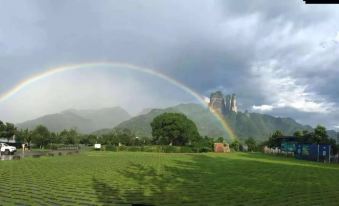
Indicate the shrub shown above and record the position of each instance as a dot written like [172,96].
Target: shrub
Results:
[112,148]
[151,149]
[122,148]
[204,149]
[186,150]
[52,146]
[159,148]
[135,148]
[169,149]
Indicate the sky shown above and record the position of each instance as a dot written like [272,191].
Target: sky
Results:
[279,57]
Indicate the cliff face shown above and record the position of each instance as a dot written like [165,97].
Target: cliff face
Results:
[217,102]
[228,101]
[223,104]
[234,107]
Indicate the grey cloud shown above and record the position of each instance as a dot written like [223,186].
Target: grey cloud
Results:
[204,44]
[309,118]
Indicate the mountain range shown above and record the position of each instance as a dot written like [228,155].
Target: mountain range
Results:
[244,125]
[85,121]
[102,121]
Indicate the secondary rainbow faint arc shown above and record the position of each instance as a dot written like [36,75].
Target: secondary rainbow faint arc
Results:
[64,68]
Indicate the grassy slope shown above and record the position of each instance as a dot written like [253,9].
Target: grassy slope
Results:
[168,179]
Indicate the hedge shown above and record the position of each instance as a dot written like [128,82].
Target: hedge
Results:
[158,148]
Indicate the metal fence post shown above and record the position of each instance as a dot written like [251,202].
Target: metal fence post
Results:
[318,154]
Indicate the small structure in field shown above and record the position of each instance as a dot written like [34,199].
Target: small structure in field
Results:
[97,146]
[221,147]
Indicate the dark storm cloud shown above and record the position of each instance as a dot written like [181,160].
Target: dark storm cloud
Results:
[208,45]
[288,10]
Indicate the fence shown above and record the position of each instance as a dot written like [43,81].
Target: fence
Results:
[313,152]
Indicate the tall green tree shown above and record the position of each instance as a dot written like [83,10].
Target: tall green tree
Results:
[124,136]
[320,135]
[27,136]
[70,136]
[88,139]
[41,136]
[8,131]
[24,136]
[235,145]
[174,129]
[273,141]
[54,138]
[298,134]
[251,143]
[2,129]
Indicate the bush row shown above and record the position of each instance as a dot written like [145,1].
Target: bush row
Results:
[62,147]
[158,148]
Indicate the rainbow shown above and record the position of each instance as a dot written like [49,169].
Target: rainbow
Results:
[21,85]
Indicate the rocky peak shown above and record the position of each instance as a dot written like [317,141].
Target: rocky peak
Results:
[223,104]
[217,102]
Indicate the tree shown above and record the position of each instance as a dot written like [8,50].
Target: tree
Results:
[2,129]
[298,134]
[335,148]
[41,136]
[174,129]
[53,138]
[235,145]
[124,136]
[320,135]
[88,139]
[27,136]
[70,136]
[23,135]
[277,134]
[8,130]
[251,143]
[204,144]
[307,137]
[273,141]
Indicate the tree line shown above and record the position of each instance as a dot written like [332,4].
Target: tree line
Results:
[40,136]
[317,136]
[167,129]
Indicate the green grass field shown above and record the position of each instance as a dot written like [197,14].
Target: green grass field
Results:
[123,178]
